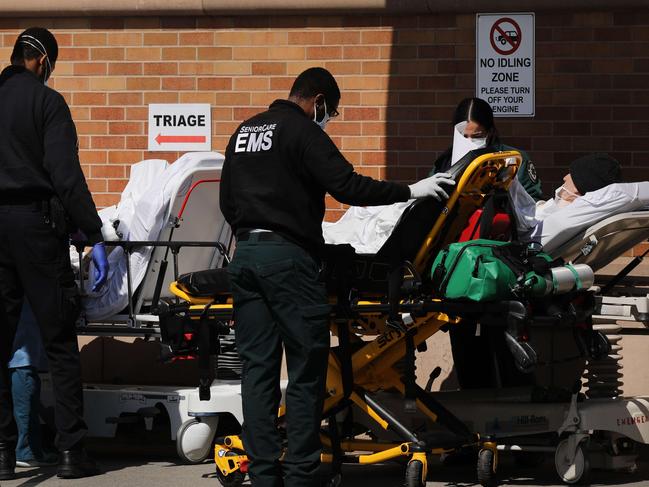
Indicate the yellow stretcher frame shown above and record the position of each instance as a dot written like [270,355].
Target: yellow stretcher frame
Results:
[372,362]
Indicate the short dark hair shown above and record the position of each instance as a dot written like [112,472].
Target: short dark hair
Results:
[34,43]
[479,111]
[314,81]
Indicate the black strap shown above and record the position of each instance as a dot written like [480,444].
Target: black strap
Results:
[409,376]
[395,281]
[513,218]
[623,273]
[336,448]
[487,218]
[497,203]
[346,369]
[204,342]
[513,256]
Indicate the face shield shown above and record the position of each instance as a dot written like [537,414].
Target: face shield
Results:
[462,144]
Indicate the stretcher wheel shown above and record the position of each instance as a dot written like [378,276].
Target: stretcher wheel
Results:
[414,474]
[194,441]
[233,479]
[487,468]
[573,472]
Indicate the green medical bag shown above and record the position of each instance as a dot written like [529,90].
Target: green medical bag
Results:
[488,270]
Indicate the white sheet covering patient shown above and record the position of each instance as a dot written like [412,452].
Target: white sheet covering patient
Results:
[552,225]
[364,228]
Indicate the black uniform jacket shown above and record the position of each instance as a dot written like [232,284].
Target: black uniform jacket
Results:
[278,167]
[39,150]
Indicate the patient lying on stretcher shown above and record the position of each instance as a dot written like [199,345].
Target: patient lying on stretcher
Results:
[591,192]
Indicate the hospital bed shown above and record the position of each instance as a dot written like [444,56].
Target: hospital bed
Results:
[170,224]
[384,311]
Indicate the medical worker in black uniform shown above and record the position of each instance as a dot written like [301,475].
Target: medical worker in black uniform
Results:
[278,167]
[43,198]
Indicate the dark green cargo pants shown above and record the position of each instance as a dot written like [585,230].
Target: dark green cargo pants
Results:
[279,303]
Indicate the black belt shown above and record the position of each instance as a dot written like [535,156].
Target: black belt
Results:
[260,236]
[30,199]
[36,205]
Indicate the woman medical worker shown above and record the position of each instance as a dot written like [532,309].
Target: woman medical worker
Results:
[474,128]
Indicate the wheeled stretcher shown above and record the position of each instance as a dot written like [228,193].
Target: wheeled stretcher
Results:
[167,223]
[385,309]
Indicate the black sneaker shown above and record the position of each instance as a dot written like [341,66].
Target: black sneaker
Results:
[7,464]
[76,464]
[46,459]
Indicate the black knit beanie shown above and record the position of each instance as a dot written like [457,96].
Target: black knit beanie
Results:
[594,171]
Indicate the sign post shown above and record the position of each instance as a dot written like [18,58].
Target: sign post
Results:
[505,63]
[183,127]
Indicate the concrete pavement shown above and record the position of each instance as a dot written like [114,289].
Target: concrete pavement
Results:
[156,466]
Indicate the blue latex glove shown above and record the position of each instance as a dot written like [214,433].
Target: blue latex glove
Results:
[100,260]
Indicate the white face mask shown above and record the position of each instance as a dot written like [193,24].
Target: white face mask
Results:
[463,145]
[322,123]
[559,201]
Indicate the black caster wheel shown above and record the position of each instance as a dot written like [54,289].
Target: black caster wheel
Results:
[415,474]
[575,472]
[487,468]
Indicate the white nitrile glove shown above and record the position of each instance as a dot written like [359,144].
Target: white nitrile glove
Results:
[431,186]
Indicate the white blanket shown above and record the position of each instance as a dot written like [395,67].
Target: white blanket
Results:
[142,212]
[365,228]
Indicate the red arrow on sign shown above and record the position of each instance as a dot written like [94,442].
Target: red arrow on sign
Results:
[179,139]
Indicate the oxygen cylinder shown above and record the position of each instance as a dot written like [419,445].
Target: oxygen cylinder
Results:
[572,277]
[560,280]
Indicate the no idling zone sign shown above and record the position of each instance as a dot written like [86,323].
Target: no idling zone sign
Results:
[505,63]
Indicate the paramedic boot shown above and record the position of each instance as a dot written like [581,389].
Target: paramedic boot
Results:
[76,464]
[7,462]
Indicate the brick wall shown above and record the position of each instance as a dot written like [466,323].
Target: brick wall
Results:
[400,77]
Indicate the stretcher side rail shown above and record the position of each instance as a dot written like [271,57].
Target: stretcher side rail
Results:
[135,323]
[604,241]
[622,297]
[416,308]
